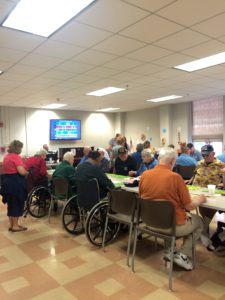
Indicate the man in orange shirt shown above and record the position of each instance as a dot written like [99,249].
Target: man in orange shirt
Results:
[162,183]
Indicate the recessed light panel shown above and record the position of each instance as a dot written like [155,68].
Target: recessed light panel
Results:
[43,17]
[54,105]
[203,63]
[166,98]
[107,109]
[105,91]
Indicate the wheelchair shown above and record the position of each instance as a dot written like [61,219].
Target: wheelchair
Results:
[90,216]
[38,201]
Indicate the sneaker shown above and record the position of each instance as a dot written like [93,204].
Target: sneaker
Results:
[205,240]
[167,255]
[183,261]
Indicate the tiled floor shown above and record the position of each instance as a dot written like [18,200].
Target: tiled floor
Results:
[46,263]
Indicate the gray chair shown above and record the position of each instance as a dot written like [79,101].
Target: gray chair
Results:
[122,208]
[59,192]
[158,219]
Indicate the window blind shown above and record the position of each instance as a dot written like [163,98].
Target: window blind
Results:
[208,118]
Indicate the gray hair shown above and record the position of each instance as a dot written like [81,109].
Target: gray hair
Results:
[166,155]
[41,152]
[68,155]
[147,152]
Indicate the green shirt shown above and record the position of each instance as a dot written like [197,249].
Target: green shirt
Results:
[66,171]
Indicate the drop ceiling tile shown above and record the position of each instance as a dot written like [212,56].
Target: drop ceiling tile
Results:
[119,45]
[146,69]
[80,34]
[17,77]
[144,30]
[23,69]
[4,65]
[9,83]
[205,49]
[58,74]
[182,40]
[5,8]
[126,76]
[216,70]
[102,72]
[11,55]
[93,57]
[19,40]
[169,73]
[213,27]
[74,67]
[123,64]
[173,60]
[58,49]
[149,53]
[103,14]
[191,12]
[83,78]
[40,61]
[152,5]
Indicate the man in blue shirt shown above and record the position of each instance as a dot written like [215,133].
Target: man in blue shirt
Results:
[194,153]
[137,155]
[185,159]
[221,157]
[86,151]
[148,162]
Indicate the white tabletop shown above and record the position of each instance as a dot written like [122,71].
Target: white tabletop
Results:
[214,202]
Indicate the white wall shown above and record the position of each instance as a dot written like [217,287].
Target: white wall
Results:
[31,126]
[143,121]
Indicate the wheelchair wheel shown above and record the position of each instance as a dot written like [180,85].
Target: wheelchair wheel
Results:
[38,202]
[95,225]
[73,216]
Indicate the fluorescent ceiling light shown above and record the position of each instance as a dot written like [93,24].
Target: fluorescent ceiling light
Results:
[166,98]
[105,91]
[108,109]
[43,17]
[1,71]
[203,63]
[54,105]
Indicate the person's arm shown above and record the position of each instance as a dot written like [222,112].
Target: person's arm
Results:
[70,175]
[103,180]
[196,200]
[21,170]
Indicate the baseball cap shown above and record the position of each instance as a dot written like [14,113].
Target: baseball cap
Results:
[122,150]
[206,149]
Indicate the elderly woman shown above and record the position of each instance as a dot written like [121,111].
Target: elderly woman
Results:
[148,162]
[67,171]
[37,170]
[14,190]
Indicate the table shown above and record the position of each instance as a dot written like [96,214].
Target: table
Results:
[216,201]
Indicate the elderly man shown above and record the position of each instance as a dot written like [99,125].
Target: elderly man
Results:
[66,170]
[86,151]
[162,183]
[148,162]
[90,169]
[209,171]
[105,164]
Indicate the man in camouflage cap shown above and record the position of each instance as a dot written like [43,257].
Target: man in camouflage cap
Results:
[208,171]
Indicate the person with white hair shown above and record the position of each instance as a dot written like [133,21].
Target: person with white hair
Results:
[148,162]
[105,164]
[66,170]
[36,165]
[162,183]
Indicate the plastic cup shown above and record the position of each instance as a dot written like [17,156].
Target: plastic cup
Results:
[211,189]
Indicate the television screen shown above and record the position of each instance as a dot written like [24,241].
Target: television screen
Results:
[65,129]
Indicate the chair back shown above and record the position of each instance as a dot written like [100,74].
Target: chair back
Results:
[122,202]
[186,172]
[60,188]
[159,214]
[88,193]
